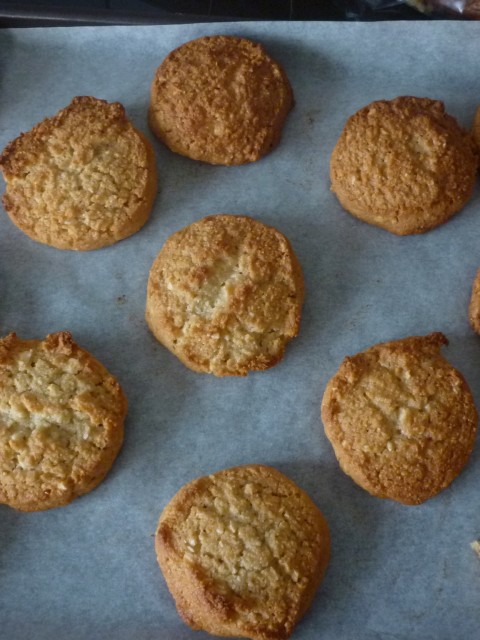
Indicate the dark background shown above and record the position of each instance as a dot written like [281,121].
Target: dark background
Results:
[57,12]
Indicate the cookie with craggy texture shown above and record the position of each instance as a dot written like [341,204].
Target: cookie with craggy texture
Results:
[225,295]
[220,99]
[404,165]
[474,308]
[401,419]
[243,552]
[81,180]
[61,421]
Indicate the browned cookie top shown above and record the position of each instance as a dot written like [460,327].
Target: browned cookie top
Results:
[403,165]
[225,295]
[83,179]
[220,99]
[242,551]
[401,419]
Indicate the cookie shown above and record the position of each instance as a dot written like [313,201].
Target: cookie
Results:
[220,99]
[61,421]
[81,180]
[403,165]
[225,295]
[243,552]
[474,308]
[401,419]
[476,128]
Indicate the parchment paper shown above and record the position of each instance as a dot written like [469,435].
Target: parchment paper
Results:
[88,571]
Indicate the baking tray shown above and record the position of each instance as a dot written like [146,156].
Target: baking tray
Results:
[88,570]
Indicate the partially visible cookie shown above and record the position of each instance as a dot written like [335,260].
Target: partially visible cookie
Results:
[225,295]
[403,165]
[476,547]
[243,552]
[476,128]
[220,99]
[474,308]
[61,421]
[401,419]
[83,179]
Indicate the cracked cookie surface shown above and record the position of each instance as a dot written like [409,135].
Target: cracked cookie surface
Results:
[225,295]
[243,552]
[61,421]
[404,165]
[81,180]
[220,99]
[401,419]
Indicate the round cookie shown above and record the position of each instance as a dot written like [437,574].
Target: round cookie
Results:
[474,308]
[61,421]
[225,295]
[403,165]
[401,419]
[81,180]
[220,99]
[243,552]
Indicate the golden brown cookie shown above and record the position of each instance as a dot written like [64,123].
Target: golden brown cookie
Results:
[225,295]
[474,309]
[83,179]
[243,552]
[403,165]
[61,421]
[401,419]
[220,99]
[476,128]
